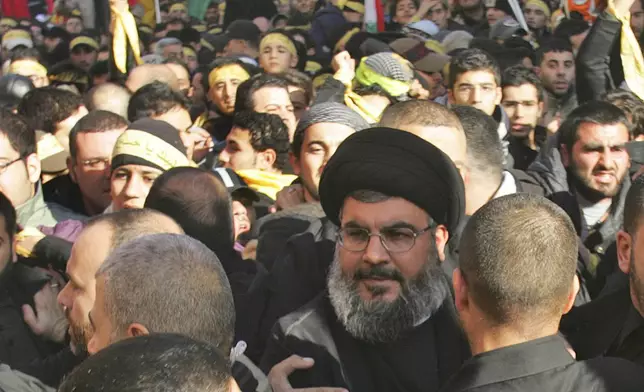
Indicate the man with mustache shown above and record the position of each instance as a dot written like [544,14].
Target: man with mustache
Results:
[584,170]
[613,325]
[386,321]
[556,67]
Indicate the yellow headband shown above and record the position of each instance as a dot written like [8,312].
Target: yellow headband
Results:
[27,68]
[178,7]
[355,6]
[189,52]
[345,38]
[280,39]
[367,77]
[215,31]
[8,22]
[76,13]
[83,41]
[227,72]
[207,44]
[200,28]
[16,34]
[435,46]
[150,148]
[540,5]
[312,67]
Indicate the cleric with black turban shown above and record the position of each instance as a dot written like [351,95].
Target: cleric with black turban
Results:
[397,164]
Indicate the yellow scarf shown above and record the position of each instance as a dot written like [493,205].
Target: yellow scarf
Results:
[124,32]
[266,182]
[631,53]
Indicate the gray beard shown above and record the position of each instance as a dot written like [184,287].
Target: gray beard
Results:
[382,321]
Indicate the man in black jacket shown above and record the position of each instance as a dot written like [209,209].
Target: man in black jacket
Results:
[386,321]
[516,279]
[613,325]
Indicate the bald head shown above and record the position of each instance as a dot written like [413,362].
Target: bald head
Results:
[431,122]
[200,204]
[148,73]
[110,97]
[126,225]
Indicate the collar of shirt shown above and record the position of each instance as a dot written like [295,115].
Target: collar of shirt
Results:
[512,362]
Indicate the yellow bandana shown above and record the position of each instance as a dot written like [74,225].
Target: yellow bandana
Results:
[345,38]
[83,41]
[189,52]
[352,5]
[8,22]
[279,39]
[367,77]
[16,34]
[27,68]
[227,72]
[435,46]
[124,35]
[540,5]
[178,7]
[150,148]
[312,67]
[630,53]
[200,28]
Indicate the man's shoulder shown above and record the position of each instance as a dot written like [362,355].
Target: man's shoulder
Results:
[62,213]
[307,322]
[611,374]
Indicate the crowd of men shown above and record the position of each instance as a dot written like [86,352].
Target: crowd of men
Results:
[257,195]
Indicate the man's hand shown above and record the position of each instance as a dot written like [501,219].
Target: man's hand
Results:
[290,196]
[201,143]
[278,376]
[344,67]
[418,91]
[48,320]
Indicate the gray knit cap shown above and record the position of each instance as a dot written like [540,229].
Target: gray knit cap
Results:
[331,112]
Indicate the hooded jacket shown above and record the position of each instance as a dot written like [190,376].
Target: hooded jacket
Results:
[549,171]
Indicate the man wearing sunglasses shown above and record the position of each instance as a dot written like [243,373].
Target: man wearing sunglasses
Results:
[386,321]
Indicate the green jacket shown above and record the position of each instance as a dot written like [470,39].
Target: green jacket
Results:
[36,212]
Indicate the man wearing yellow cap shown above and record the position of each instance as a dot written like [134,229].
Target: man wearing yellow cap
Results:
[277,53]
[83,51]
[178,11]
[537,15]
[221,88]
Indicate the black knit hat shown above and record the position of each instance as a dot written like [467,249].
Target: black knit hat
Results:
[397,164]
[503,5]
[150,143]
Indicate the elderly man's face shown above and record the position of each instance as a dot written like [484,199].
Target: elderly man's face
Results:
[383,286]
[173,52]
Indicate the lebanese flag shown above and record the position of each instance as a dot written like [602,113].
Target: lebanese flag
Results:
[374,16]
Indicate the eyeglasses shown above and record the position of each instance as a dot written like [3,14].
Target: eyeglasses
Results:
[96,163]
[394,240]
[5,166]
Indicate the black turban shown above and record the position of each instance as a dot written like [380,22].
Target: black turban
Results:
[397,164]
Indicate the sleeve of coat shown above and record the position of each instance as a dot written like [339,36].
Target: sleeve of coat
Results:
[331,91]
[593,61]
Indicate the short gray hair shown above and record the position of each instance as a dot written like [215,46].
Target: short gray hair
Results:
[170,283]
[165,42]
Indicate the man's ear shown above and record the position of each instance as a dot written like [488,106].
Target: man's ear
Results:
[295,163]
[136,329]
[268,158]
[70,168]
[565,155]
[450,96]
[33,168]
[294,60]
[441,236]
[574,289]
[499,95]
[461,298]
[540,109]
[624,245]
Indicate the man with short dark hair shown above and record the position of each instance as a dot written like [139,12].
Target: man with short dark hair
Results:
[584,169]
[20,170]
[168,362]
[53,111]
[243,38]
[83,51]
[267,94]
[556,65]
[86,189]
[92,247]
[511,297]
[475,80]
[385,321]
[257,149]
[523,103]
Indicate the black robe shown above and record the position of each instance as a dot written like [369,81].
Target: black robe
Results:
[421,361]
